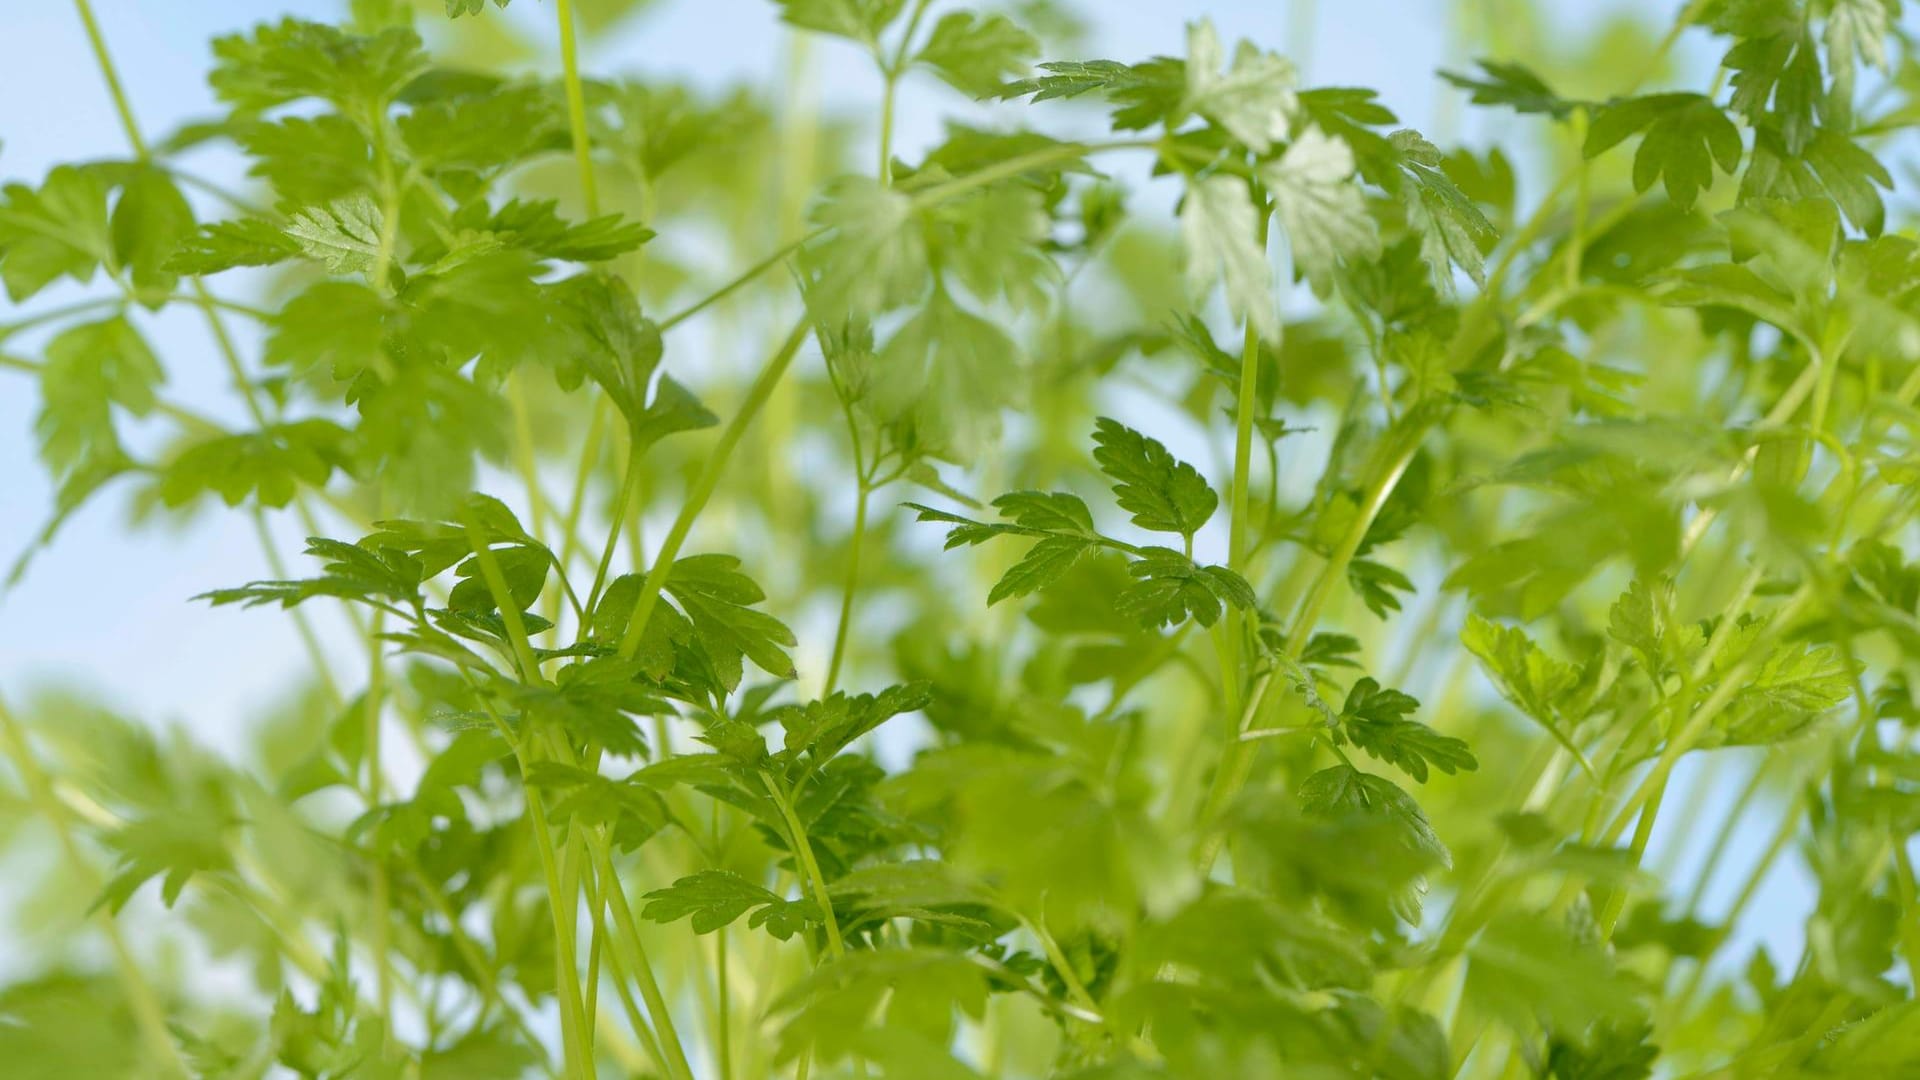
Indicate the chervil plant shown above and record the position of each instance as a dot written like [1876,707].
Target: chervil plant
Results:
[1186,577]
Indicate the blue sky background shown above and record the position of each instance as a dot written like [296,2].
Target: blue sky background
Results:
[107,610]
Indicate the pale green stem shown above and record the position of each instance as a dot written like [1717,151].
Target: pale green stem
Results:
[576,107]
[704,485]
[627,938]
[851,586]
[803,851]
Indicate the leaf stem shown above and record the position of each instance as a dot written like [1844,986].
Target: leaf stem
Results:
[576,107]
[112,78]
[852,584]
[704,485]
[516,627]
[627,937]
[578,1055]
[803,851]
[891,70]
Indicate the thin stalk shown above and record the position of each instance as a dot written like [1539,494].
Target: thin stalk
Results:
[1237,543]
[55,314]
[633,954]
[723,1008]
[852,585]
[147,1011]
[745,277]
[375,790]
[622,507]
[1237,760]
[892,70]
[524,458]
[576,107]
[516,627]
[576,504]
[704,485]
[642,1031]
[578,1056]
[1723,837]
[1234,630]
[477,963]
[803,850]
[301,624]
[112,78]
[1784,833]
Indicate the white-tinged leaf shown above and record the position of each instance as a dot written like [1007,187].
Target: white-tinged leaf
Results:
[344,234]
[1319,205]
[1219,225]
[1253,99]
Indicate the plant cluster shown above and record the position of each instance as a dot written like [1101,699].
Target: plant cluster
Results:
[1346,579]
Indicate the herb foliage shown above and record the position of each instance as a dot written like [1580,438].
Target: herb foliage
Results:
[1323,725]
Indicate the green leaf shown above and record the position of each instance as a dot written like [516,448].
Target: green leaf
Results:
[1377,584]
[1142,94]
[1792,687]
[309,160]
[523,567]
[333,326]
[824,728]
[859,20]
[351,572]
[617,347]
[1527,969]
[1513,85]
[344,235]
[1734,286]
[1162,493]
[1220,227]
[1525,675]
[1374,719]
[225,245]
[1320,206]
[1776,78]
[1831,165]
[63,1024]
[271,465]
[290,60]
[90,369]
[1053,511]
[949,372]
[457,8]
[715,898]
[1253,99]
[149,222]
[1172,588]
[1686,135]
[1042,565]
[60,230]
[491,128]
[1855,27]
[1453,231]
[900,993]
[596,700]
[538,227]
[715,597]
[632,812]
[976,54]
[1344,791]
[1642,619]
[873,259]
